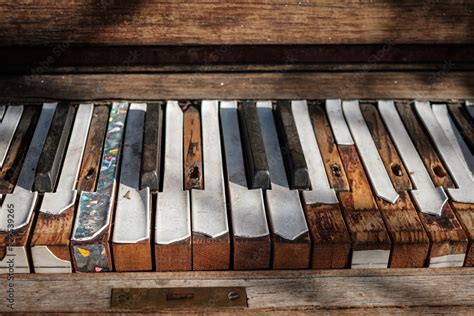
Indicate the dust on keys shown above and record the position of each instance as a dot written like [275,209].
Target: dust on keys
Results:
[236,184]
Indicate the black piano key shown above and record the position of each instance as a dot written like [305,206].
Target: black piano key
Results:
[295,162]
[151,160]
[258,175]
[54,148]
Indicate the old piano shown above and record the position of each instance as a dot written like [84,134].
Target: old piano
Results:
[237,157]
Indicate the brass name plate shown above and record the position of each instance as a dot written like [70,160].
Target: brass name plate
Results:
[178,298]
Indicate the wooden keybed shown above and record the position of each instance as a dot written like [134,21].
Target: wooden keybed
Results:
[193,51]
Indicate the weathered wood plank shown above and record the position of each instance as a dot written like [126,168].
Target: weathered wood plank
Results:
[253,22]
[270,85]
[403,289]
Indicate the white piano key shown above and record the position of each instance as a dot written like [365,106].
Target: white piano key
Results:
[173,211]
[22,198]
[284,206]
[8,126]
[132,217]
[209,213]
[247,206]
[452,133]
[464,192]
[3,109]
[378,176]
[321,191]
[65,196]
[338,123]
[426,196]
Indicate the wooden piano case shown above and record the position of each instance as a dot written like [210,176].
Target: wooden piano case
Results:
[156,50]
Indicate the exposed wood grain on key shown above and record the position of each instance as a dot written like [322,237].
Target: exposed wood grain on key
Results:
[20,143]
[393,164]
[465,214]
[295,165]
[93,152]
[152,143]
[421,140]
[54,149]
[362,216]
[193,169]
[464,122]
[327,145]
[256,160]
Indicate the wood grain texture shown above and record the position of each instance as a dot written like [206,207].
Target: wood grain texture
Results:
[422,142]
[251,253]
[310,291]
[192,142]
[18,149]
[359,208]
[329,236]
[291,254]
[253,22]
[177,256]
[132,257]
[240,85]
[392,161]
[465,214]
[152,146]
[211,253]
[327,145]
[90,166]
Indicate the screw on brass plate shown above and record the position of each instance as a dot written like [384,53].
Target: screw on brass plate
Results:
[123,298]
[233,296]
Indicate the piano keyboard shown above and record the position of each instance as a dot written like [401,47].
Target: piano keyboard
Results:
[242,185]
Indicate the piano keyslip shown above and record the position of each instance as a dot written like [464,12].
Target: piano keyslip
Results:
[211,239]
[17,210]
[54,148]
[19,146]
[330,239]
[92,227]
[50,239]
[410,243]
[173,250]
[289,231]
[132,225]
[448,241]
[251,237]
[370,240]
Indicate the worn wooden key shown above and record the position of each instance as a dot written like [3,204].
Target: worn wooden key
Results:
[50,241]
[327,145]
[370,240]
[132,225]
[17,210]
[211,240]
[465,122]
[152,138]
[173,210]
[410,243]
[448,241]
[462,197]
[330,239]
[251,237]
[193,165]
[289,231]
[433,164]
[297,170]
[451,131]
[8,127]
[54,148]
[92,228]
[255,158]
[16,154]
